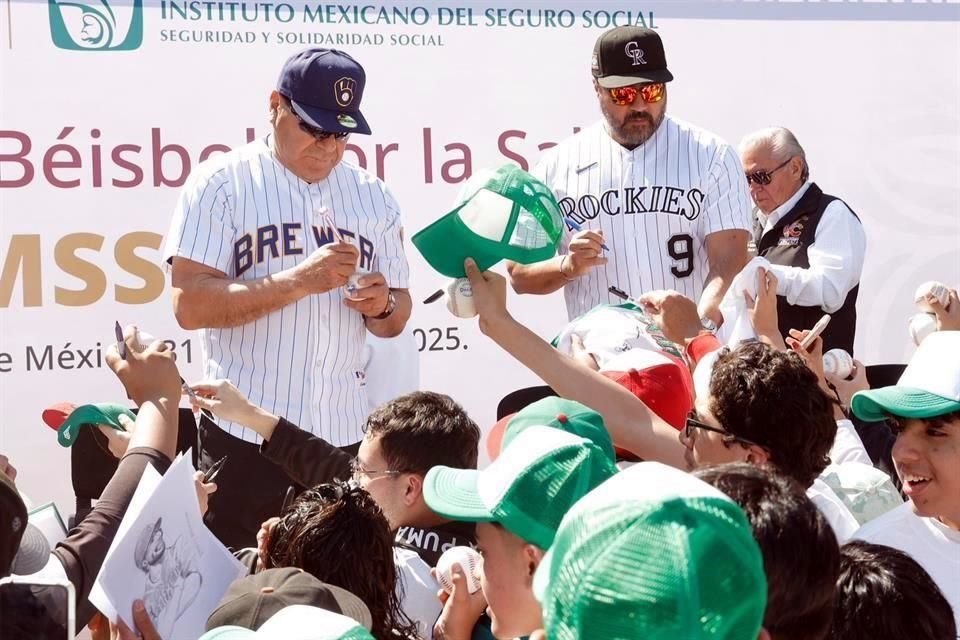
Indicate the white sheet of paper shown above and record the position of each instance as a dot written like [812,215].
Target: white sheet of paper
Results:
[168,558]
[145,488]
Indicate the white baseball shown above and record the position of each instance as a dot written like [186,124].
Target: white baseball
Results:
[838,363]
[922,325]
[141,340]
[353,282]
[469,561]
[460,298]
[936,289]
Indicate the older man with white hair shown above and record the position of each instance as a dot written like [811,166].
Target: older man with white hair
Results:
[815,243]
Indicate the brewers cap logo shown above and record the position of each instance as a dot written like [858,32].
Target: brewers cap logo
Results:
[634,52]
[343,91]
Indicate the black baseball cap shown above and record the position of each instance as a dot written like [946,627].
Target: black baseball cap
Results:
[250,601]
[629,55]
[325,87]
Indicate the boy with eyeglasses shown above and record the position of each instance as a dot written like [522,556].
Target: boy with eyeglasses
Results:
[403,440]
[668,198]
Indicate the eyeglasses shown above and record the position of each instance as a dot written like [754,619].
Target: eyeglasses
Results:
[764,177]
[692,423]
[357,470]
[316,132]
[649,93]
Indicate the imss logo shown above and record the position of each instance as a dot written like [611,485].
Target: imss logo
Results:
[96,25]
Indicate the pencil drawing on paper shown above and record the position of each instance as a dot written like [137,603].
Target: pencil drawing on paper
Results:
[173,579]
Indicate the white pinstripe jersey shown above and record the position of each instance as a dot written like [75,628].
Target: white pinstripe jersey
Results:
[245,214]
[655,204]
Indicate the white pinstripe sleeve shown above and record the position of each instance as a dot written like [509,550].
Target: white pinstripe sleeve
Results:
[202,228]
[727,199]
[391,258]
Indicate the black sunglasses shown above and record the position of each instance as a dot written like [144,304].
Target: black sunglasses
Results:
[316,132]
[764,177]
[692,423]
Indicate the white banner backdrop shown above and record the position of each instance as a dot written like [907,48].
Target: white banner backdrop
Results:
[107,105]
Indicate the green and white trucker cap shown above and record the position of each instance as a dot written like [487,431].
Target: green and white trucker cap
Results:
[929,387]
[507,214]
[560,413]
[653,553]
[527,489]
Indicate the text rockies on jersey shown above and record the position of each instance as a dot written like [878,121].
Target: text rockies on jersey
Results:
[631,200]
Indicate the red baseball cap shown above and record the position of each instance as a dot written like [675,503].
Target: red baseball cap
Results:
[55,415]
[663,382]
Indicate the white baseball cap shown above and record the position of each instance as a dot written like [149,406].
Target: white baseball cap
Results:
[929,387]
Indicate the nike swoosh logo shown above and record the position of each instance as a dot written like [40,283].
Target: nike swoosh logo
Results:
[586,166]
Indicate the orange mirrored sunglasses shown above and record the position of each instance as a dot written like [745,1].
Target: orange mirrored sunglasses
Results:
[649,93]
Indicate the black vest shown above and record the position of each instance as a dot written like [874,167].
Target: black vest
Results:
[787,244]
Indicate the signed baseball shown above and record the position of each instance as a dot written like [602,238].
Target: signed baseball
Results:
[935,289]
[460,298]
[353,282]
[922,325]
[469,561]
[839,364]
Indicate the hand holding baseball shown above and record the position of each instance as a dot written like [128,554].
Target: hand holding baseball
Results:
[489,294]
[846,388]
[147,374]
[370,297]
[328,267]
[948,315]
[463,603]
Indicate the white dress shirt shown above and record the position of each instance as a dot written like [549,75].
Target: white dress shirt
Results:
[836,257]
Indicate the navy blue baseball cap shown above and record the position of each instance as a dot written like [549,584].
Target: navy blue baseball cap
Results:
[325,87]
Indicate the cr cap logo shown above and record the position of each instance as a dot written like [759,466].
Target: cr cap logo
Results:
[634,52]
[96,25]
[343,91]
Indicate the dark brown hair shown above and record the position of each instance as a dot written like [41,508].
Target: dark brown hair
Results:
[801,557]
[773,399]
[883,593]
[421,430]
[337,533]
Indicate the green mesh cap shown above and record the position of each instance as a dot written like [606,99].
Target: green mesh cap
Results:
[653,553]
[527,489]
[563,414]
[508,214]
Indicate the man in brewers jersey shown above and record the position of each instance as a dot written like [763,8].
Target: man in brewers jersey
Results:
[668,199]
[262,243]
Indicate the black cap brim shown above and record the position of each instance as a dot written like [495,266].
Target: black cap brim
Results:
[612,82]
[333,121]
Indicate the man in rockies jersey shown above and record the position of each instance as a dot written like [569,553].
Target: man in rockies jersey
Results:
[262,243]
[668,199]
